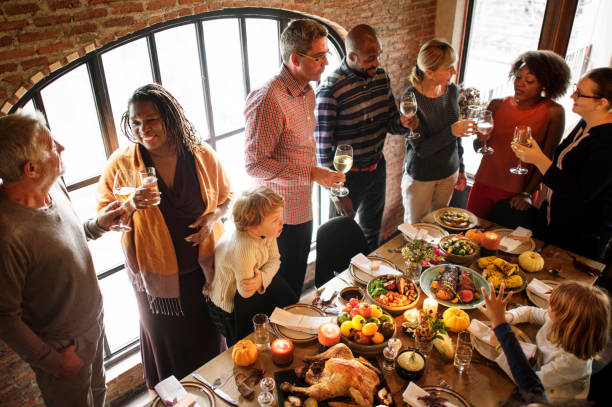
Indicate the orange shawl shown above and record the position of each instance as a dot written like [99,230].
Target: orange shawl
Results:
[148,248]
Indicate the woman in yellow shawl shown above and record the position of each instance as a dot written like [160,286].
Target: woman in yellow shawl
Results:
[170,247]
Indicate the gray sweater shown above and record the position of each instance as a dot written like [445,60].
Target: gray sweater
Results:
[48,285]
[437,153]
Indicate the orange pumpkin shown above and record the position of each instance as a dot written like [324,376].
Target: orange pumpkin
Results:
[244,353]
[475,235]
[490,240]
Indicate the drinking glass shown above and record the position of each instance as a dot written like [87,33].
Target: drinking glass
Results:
[343,161]
[408,108]
[148,179]
[266,397]
[424,344]
[124,188]
[484,125]
[389,355]
[522,135]
[260,331]
[463,352]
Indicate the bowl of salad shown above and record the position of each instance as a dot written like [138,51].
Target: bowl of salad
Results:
[459,249]
[393,293]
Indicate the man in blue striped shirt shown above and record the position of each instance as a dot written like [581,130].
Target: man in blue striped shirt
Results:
[355,106]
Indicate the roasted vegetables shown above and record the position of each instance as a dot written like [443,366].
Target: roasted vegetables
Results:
[498,271]
[393,291]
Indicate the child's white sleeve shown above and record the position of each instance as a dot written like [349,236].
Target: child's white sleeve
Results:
[244,261]
[270,267]
[533,315]
[563,369]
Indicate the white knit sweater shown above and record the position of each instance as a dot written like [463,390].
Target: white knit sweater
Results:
[235,256]
[562,373]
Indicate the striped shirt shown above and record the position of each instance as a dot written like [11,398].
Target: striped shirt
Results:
[356,110]
[280,146]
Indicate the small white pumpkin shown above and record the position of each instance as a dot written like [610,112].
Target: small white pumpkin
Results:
[531,262]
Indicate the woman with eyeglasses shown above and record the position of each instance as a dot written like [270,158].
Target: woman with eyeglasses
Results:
[578,216]
[539,78]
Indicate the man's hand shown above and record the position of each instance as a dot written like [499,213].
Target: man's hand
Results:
[461,183]
[205,224]
[70,363]
[111,215]
[327,178]
[520,202]
[409,123]
[250,285]
[346,206]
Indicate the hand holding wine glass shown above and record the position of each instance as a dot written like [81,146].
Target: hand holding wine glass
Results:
[408,108]
[485,127]
[522,136]
[343,161]
[124,187]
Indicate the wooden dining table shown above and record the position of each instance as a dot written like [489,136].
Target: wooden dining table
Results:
[483,385]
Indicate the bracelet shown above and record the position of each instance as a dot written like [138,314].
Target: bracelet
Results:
[526,194]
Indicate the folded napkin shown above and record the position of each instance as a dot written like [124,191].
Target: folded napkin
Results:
[302,323]
[172,393]
[369,267]
[413,392]
[539,288]
[515,239]
[414,232]
[483,332]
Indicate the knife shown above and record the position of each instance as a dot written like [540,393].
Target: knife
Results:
[223,395]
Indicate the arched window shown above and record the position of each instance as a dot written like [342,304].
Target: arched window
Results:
[210,62]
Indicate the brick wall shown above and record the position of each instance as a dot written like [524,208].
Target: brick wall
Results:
[38,37]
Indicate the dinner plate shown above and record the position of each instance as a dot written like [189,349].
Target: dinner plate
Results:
[298,336]
[435,232]
[472,219]
[430,275]
[523,247]
[204,396]
[541,301]
[363,278]
[489,351]
[451,395]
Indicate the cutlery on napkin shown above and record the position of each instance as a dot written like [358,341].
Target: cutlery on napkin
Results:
[413,392]
[414,232]
[539,288]
[515,238]
[172,393]
[369,267]
[483,332]
[303,323]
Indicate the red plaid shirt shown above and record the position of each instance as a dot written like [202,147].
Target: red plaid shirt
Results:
[280,145]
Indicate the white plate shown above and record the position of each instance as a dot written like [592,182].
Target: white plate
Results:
[298,336]
[204,396]
[473,219]
[523,247]
[435,232]
[536,299]
[363,278]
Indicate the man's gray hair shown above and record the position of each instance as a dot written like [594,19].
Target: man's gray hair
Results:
[19,142]
[299,36]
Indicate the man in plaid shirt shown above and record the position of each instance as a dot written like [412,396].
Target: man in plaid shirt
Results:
[355,106]
[280,145]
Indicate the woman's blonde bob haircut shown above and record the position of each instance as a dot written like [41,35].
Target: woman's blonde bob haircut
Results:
[253,204]
[581,318]
[433,54]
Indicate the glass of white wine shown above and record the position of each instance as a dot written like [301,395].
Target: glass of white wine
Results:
[124,188]
[408,108]
[522,135]
[343,161]
[484,125]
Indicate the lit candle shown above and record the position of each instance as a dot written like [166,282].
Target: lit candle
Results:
[430,306]
[411,316]
[282,351]
[329,334]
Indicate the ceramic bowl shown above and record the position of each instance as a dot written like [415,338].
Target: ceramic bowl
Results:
[410,375]
[457,258]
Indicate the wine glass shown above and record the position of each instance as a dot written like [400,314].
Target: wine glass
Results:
[343,161]
[124,188]
[522,135]
[484,125]
[408,107]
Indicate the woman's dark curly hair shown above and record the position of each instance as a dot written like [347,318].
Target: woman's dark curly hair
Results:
[550,69]
[180,130]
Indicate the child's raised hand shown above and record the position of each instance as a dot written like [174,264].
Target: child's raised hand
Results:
[250,285]
[495,305]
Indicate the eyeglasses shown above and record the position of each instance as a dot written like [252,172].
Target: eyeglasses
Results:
[580,95]
[318,58]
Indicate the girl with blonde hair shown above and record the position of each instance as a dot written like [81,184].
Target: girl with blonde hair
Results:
[433,164]
[575,327]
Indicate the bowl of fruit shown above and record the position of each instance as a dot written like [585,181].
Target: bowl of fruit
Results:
[459,249]
[393,293]
[365,328]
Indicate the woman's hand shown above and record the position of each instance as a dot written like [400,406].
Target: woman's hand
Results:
[520,202]
[495,305]
[463,128]
[461,183]
[204,224]
[409,123]
[250,285]
[146,197]
[528,154]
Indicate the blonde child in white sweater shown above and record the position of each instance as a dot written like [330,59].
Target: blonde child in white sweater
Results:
[575,327]
[246,265]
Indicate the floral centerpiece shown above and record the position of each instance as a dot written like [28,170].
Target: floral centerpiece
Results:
[467,97]
[430,327]
[419,253]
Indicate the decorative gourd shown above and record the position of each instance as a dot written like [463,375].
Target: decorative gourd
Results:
[531,262]
[456,319]
[490,240]
[475,235]
[445,346]
[244,353]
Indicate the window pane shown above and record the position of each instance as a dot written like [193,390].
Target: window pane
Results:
[29,107]
[121,322]
[225,77]
[73,121]
[179,63]
[126,68]
[231,155]
[263,51]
